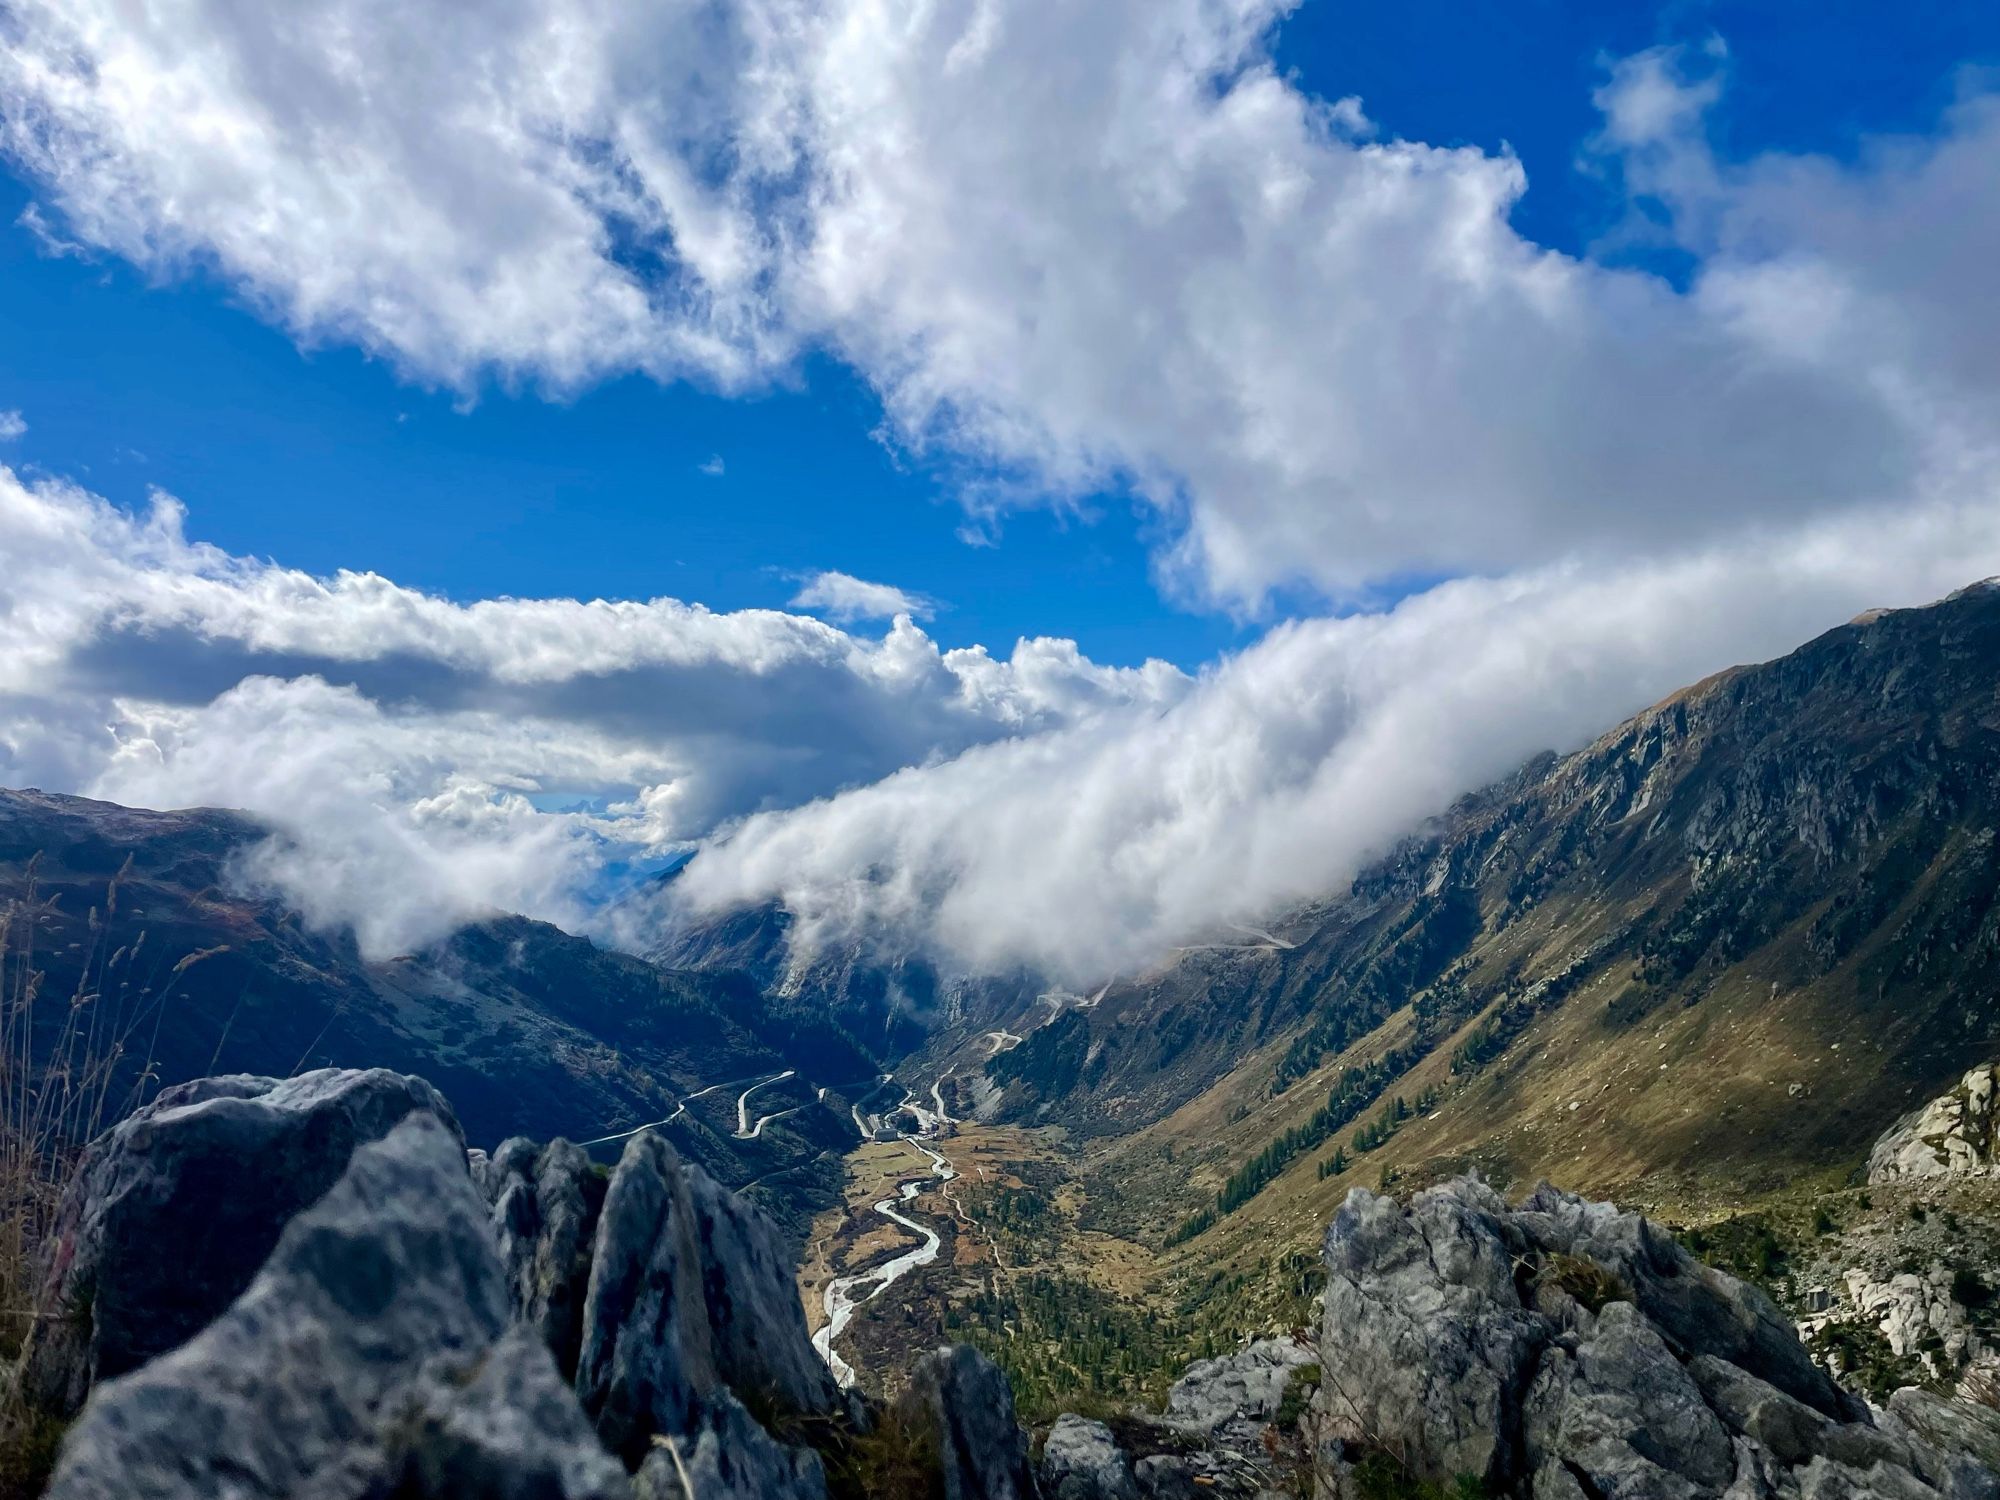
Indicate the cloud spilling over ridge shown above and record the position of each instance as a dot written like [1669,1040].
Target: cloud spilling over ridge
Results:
[1073,247]
[1070,245]
[417,753]
[1087,852]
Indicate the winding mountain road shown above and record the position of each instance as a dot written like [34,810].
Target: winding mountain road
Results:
[743,1130]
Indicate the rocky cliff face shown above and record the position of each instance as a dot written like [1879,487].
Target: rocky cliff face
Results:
[436,1325]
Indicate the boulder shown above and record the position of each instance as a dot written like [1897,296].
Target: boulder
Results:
[728,1457]
[962,1400]
[512,1432]
[1950,1424]
[1694,1305]
[1241,1389]
[1427,1345]
[366,1358]
[1622,1417]
[175,1208]
[1081,1460]
[1953,1135]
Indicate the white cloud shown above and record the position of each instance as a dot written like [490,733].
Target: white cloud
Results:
[397,738]
[12,426]
[712,466]
[1070,245]
[1086,851]
[843,597]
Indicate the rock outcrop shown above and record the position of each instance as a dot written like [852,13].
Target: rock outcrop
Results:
[175,1209]
[1566,1349]
[1230,1427]
[959,1398]
[440,1324]
[546,1201]
[370,1356]
[1952,1135]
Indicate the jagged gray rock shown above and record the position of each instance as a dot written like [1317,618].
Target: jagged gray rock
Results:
[308,1383]
[962,1399]
[1954,1134]
[690,1299]
[158,1234]
[1951,1425]
[1622,1416]
[1081,1460]
[1240,1391]
[514,1432]
[1426,1341]
[1569,1350]
[1696,1306]
[546,1200]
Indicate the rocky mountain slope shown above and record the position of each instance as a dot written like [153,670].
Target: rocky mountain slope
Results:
[1705,959]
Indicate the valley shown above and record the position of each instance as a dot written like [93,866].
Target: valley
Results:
[1697,966]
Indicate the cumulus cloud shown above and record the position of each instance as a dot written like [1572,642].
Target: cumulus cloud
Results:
[407,746]
[12,426]
[843,597]
[1086,851]
[1071,246]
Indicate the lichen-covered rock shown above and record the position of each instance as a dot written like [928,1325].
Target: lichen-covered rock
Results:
[1081,1460]
[174,1209]
[305,1384]
[1573,1352]
[1951,1135]
[960,1397]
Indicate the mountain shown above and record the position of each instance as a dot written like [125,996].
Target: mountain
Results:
[533,1030]
[1699,964]
[900,1002]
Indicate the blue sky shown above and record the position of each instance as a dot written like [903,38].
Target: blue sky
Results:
[326,458]
[1339,404]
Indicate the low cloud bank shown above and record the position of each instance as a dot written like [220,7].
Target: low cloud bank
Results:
[425,760]
[1087,851]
